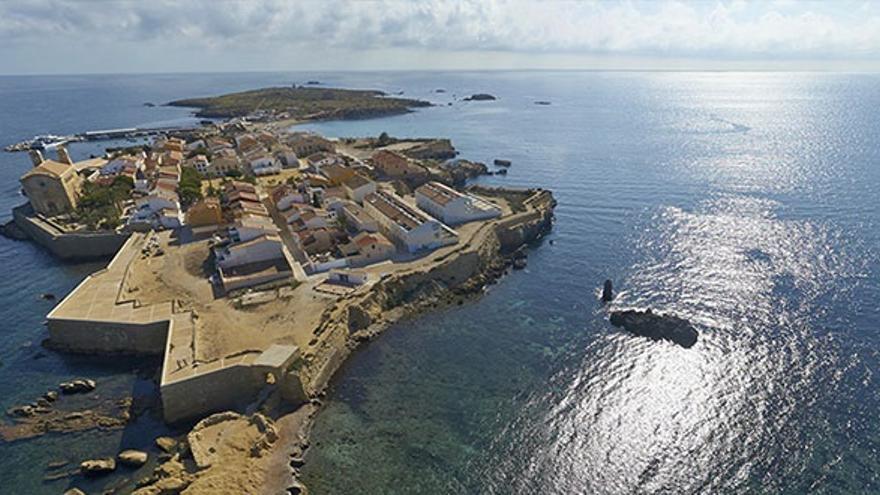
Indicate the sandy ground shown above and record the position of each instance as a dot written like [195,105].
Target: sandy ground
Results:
[222,329]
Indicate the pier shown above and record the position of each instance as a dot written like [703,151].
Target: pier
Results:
[51,141]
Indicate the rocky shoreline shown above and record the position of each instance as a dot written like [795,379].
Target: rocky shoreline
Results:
[462,276]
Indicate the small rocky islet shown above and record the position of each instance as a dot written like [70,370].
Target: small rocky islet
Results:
[656,326]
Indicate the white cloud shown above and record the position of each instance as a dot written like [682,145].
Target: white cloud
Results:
[726,29]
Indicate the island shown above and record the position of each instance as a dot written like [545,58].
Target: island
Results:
[253,259]
[301,103]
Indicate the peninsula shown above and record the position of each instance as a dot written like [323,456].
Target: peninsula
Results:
[254,260]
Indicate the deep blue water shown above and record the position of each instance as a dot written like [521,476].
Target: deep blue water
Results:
[744,201]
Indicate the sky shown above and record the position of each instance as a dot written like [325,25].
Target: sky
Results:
[135,36]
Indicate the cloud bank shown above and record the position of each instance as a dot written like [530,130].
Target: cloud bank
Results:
[305,32]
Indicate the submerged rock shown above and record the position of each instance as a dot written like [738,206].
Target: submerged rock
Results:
[656,326]
[95,467]
[501,163]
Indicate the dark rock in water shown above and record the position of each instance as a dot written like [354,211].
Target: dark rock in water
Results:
[519,263]
[12,231]
[79,386]
[439,90]
[656,326]
[47,296]
[503,171]
[607,291]
[480,97]
[501,163]
[149,104]
[313,83]
[542,102]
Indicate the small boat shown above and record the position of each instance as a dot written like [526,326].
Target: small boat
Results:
[48,296]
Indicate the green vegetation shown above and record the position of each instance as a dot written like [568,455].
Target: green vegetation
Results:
[101,206]
[302,103]
[190,187]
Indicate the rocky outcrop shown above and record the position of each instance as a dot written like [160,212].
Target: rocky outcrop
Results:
[481,97]
[435,149]
[79,386]
[97,467]
[166,444]
[42,416]
[607,291]
[11,230]
[656,326]
[133,458]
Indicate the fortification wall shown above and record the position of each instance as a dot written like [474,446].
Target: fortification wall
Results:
[211,391]
[95,337]
[67,245]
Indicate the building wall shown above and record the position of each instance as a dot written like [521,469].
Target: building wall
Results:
[51,195]
[258,252]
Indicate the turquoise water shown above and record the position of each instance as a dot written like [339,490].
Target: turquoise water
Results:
[746,202]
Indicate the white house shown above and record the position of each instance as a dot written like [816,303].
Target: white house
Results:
[116,165]
[285,196]
[287,158]
[452,206]
[358,219]
[358,187]
[322,159]
[408,226]
[263,164]
[250,227]
[201,164]
[259,249]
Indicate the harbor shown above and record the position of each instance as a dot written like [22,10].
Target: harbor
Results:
[49,141]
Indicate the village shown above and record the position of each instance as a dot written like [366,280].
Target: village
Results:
[277,206]
[240,244]
[253,259]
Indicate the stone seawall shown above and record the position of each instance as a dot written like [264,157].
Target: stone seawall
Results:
[67,245]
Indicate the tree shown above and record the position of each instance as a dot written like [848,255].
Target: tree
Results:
[384,139]
[190,186]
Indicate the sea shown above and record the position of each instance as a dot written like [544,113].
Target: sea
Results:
[746,202]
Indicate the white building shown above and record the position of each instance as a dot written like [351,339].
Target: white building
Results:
[250,227]
[263,164]
[285,197]
[406,225]
[259,249]
[358,187]
[452,206]
[357,218]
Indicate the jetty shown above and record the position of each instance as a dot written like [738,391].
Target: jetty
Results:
[49,141]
